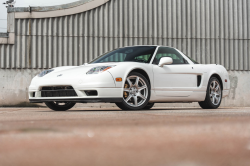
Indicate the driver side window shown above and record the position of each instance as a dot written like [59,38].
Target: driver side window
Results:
[169,52]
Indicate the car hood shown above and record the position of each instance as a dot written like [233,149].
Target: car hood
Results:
[72,71]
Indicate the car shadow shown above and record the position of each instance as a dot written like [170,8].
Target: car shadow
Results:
[119,110]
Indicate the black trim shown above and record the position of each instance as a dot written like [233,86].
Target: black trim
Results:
[80,100]
[198,80]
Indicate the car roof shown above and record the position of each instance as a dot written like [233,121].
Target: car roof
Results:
[148,45]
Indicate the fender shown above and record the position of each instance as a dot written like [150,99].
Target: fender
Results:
[116,74]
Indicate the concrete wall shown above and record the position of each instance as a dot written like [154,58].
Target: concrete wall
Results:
[14,85]
[14,89]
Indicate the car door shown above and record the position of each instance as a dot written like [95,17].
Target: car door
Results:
[174,80]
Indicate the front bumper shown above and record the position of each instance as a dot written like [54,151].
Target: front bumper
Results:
[106,95]
[103,83]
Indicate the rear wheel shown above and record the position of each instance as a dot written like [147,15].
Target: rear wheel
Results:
[136,92]
[213,96]
[60,106]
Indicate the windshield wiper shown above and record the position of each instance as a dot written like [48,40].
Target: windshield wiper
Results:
[105,62]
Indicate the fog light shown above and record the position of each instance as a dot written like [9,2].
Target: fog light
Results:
[91,92]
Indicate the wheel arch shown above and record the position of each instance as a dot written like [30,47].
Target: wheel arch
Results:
[143,72]
[218,77]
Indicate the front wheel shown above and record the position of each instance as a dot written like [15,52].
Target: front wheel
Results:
[213,96]
[149,106]
[136,92]
[60,106]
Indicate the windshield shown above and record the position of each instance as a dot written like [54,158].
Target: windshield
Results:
[195,62]
[141,54]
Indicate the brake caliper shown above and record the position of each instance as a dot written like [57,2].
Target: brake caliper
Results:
[126,93]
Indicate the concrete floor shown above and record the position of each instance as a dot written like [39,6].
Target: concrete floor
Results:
[159,137]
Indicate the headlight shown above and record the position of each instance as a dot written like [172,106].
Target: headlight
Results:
[43,73]
[99,69]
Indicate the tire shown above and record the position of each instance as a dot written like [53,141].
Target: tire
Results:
[213,95]
[149,106]
[136,92]
[60,106]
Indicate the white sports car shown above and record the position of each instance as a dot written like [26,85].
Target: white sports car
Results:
[133,78]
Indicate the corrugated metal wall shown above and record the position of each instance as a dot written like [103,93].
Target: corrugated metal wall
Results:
[210,31]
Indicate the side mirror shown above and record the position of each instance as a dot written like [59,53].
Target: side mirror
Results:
[165,61]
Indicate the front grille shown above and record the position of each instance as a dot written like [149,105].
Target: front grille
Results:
[58,91]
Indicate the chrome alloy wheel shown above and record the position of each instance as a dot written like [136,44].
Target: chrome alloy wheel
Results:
[215,92]
[135,91]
